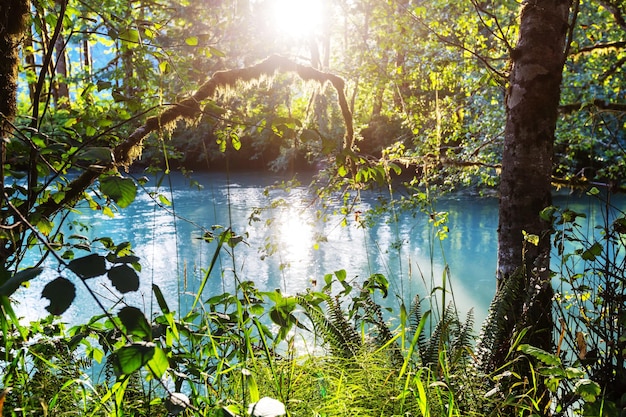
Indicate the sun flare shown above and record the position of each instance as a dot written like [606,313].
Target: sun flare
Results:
[298,18]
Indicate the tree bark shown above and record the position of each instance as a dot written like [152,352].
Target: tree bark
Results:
[531,112]
[13,16]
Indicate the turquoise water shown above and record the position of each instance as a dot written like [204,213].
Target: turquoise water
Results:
[282,248]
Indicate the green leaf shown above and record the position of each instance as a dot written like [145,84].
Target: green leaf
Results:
[130,358]
[124,278]
[135,322]
[545,357]
[531,238]
[160,299]
[587,389]
[377,282]
[592,253]
[121,190]
[159,364]
[164,200]
[130,38]
[61,292]
[89,266]
[13,283]
[235,141]
[97,154]
[192,41]
[341,275]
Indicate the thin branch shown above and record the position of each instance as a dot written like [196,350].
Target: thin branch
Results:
[608,45]
[600,104]
[612,70]
[570,31]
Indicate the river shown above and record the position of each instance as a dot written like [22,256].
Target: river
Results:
[286,247]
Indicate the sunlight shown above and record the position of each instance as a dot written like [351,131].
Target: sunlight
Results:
[297,18]
[296,235]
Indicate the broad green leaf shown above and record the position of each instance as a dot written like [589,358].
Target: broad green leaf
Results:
[593,252]
[13,283]
[135,322]
[124,278]
[130,38]
[97,154]
[341,275]
[587,389]
[192,41]
[89,266]
[61,293]
[130,358]
[44,225]
[121,190]
[159,364]
[545,357]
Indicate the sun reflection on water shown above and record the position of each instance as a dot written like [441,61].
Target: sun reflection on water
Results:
[295,234]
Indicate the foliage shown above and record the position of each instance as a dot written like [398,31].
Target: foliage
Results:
[590,302]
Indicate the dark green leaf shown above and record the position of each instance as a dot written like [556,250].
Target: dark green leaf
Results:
[124,278]
[88,266]
[160,299]
[96,155]
[13,283]
[61,292]
[593,252]
[130,358]
[588,389]
[121,190]
[545,357]
[135,322]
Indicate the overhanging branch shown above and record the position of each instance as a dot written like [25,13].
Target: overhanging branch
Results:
[127,151]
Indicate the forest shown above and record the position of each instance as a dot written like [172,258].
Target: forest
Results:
[514,100]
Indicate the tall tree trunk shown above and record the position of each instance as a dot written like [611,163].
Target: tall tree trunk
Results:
[531,113]
[13,16]
[60,74]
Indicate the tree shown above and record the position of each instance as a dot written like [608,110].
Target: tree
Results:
[13,15]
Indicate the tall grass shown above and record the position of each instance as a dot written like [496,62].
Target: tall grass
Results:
[334,352]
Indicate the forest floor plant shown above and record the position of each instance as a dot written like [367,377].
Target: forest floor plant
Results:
[333,352]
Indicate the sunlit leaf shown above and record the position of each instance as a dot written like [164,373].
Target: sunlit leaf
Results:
[89,266]
[129,37]
[192,41]
[121,190]
[124,278]
[130,358]
[159,363]
[164,200]
[61,293]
